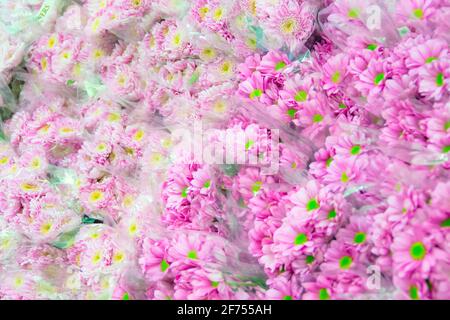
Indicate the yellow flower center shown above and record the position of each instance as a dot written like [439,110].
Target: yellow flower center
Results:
[101,147]
[176,40]
[136,3]
[128,200]
[219,106]
[98,53]
[96,196]
[4,160]
[113,117]
[95,24]
[46,227]
[166,143]
[118,257]
[208,54]
[29,187]
[66,130]
[203,11]
[156,158]
[226,67]
[288,26]
[218,13]
[18,281]
[51,42]
[66,55]
[97,257]
[35,163]
[138,135]
[44,64]
[132,228]
[121,80]
[44,129]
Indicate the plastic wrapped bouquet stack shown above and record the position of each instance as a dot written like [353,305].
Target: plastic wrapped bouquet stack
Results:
[216,149]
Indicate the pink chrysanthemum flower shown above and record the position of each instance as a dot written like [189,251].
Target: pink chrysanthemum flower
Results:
[431,50]
[433,80]
[415,251]
[372,81]
[416,10]
[335,72]
[273,62]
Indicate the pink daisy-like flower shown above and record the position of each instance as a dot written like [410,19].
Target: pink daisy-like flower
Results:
[298,89]
[356,233]
[250,65]
[153,260]
[307,200]
[295,237]
[191,249]
[273,62]
[372,81]
[340,258]
[320,289]
[414,251]
[431,50]
[293,21]
[416,10]
[335,72]
[433,80]
[283,288]
[254,87]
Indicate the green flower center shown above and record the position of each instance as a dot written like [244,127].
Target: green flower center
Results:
[164,265]
[184,192]
[323,294]
[414,293]
[345,262]
[418,13]
[331,214]
[126,296]
[355,150]
[430,59]
[445,223]
[309,259]
[312,205]
[280,65]
[378,78]
[344,177]
[372,46]
[249,144]
[255,93]
[214,284]
[192,255]
[317,118]
[447,125]
[287,298]
[336,77]
[440,79]
[360,237]
[301,238]
[329,161]
[207,184]
[301,96]
[342,105]
[291,113]
[446,149]
[417,251]
[256,187]
[353,13]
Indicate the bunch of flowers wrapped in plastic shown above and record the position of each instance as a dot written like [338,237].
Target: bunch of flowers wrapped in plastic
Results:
[338,113]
